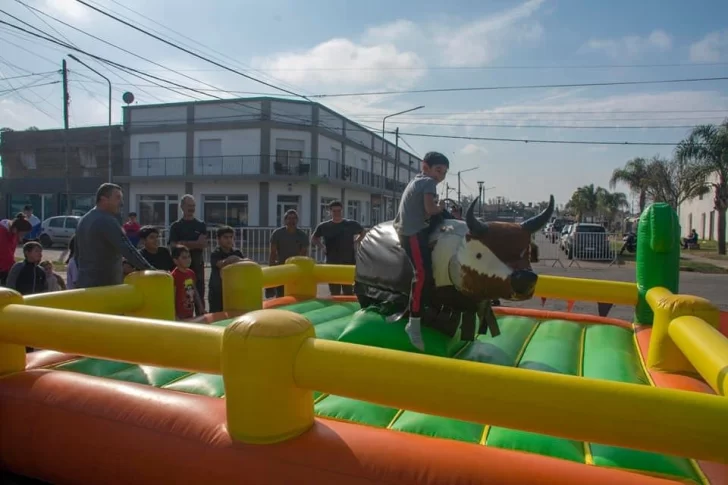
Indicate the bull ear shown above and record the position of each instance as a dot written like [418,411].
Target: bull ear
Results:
[476,227]
[537,222]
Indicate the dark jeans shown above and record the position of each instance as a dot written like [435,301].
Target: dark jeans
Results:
[200,283]
[3,277]
[418,252]
[214,299]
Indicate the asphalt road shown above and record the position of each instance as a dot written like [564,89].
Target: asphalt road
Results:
[709,286]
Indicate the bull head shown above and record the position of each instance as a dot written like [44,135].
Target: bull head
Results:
[495,259]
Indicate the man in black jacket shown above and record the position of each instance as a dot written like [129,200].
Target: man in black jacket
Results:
[26,277]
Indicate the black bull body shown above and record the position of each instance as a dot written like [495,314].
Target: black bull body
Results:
[473,263]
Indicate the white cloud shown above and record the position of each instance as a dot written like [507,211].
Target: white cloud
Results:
[712,48]
[69,9]
[396,54]
[473,149]
[631,46]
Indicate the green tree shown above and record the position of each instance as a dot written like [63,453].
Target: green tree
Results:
[636,176]
[675,181]
[611,204]
[584,201]
[707,146]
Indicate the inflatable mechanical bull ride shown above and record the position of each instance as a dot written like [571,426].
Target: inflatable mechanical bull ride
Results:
[473,262]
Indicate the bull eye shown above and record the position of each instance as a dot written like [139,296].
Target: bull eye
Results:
[479,256]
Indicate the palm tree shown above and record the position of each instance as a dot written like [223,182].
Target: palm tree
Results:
[584,201]
[707,145]
[611,203]
[635,175]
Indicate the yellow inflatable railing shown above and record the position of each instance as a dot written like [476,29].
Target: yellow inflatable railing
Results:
[275,402]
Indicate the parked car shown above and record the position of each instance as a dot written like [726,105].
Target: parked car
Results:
[564,235]
[587,241]
[58,230]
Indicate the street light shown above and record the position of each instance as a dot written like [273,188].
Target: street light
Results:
[384,152]
[108,81]
[463,171]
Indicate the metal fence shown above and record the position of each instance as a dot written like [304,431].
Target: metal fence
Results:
[253,242]
[572,248]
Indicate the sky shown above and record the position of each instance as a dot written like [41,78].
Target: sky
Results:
[342,47]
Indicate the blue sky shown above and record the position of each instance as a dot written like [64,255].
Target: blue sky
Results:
[332,46]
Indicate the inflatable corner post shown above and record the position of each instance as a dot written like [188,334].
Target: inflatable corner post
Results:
[658,255]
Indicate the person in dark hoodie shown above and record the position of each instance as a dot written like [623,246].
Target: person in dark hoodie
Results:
[27,277]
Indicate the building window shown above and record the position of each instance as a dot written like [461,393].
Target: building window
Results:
[210,152]
[80,204]
[336,154]
[289,156]
[228,210]
[365,214]
[158,210]
[324,213]
[87,157]
[27,158]
[41,203]
[284,204]
[148,153]
[353,210]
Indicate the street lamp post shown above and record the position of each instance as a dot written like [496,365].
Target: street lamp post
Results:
[460,200]
[384,151]
[109,82]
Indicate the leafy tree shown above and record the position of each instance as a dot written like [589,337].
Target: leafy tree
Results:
[675,181]
[611,204]
[636,176]
[584,201]
[32,128]
[707,146]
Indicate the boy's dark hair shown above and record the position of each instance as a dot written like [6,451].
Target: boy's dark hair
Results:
[222,230]
[28,208]
[132,214]
[336,203]
[145,231]
[31,245]
[436,158]
[20,223]
[105,190]
[179,250]
[290,212]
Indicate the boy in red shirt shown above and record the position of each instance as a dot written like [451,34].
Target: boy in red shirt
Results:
[187,300]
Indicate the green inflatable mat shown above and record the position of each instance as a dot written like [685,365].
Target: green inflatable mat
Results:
[595,351]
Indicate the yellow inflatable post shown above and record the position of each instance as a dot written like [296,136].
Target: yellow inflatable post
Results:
[265,406]
[663,354]
[304,285]
[157,290]
[12,356]
[242,287]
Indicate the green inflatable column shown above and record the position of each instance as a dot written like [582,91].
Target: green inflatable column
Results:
[658,255]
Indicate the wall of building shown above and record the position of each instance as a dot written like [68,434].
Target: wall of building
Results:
[172,154]
[291,113]
[236,191]
[147,117]
[228,112]
[152,188]
[302,190]
[240,152]
[699,214]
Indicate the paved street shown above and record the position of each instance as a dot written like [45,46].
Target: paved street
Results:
[710,286]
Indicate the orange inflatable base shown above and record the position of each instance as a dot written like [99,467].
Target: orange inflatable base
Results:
[63,427]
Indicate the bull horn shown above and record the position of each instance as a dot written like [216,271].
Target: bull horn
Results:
[537,222]
[476,227]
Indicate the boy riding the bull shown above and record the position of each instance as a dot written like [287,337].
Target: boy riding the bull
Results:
[414,223]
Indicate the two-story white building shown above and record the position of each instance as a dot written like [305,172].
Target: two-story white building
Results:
[700,214]
[247,161]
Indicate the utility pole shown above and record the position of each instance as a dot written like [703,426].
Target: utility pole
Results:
[66,101]
[480,197]
[460,201]
[396,168]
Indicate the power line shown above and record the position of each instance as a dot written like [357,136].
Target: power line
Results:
[176,46]
[27,86]
[561,127]
[27,75]
[556,142]
[525,86]
[554,112]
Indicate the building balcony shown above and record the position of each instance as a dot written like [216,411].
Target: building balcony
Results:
[318,170]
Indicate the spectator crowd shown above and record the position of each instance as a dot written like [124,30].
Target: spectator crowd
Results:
[103,251]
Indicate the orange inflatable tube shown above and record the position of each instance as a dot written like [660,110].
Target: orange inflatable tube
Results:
[70,428]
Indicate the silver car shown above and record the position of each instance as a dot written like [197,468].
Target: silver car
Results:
[58,230]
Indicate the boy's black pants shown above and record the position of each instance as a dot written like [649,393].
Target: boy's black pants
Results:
[214,298]
[418,252]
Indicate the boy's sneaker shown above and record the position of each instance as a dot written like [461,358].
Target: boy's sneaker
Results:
[414,333]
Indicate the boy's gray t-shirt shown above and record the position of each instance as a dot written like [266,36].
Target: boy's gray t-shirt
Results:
[411,217]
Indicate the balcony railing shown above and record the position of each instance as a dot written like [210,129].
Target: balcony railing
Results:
[303,168]
[227,165]
[151,167]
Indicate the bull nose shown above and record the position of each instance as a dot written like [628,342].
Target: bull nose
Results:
[523,281]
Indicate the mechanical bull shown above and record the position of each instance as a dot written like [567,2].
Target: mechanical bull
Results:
[473,263]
